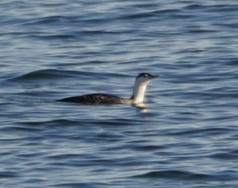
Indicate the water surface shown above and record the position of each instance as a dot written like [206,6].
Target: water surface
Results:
[186,138]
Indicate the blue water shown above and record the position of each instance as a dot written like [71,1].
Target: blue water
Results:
[188,136]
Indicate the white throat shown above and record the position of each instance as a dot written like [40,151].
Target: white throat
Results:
[139,91]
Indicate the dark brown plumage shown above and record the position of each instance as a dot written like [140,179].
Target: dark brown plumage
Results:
[98,98]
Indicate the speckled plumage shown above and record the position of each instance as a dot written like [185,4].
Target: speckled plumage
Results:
[97,98]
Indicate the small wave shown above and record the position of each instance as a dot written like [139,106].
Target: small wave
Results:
[8,174]
[98,32]
[19,129]
[225,156]
[66,122]
[56,36]
[46,20]
[175,174]
[46,74]
[82,185]
[202,132]
[59,122]
[194,6]
[58,74]
[148,148]
[150,14]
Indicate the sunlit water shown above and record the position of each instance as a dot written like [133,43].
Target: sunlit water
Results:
[188,135]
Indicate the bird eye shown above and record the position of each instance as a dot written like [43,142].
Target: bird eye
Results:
[146,75]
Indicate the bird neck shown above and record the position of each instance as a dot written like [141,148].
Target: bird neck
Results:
[139,92]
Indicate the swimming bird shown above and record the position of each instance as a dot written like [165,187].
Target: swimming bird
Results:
[137,97]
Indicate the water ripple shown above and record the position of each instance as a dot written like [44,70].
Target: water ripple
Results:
[183,175]
[187,137]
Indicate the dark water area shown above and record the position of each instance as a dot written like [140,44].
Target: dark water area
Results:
[188,136]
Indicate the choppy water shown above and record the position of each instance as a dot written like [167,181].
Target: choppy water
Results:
[187,138]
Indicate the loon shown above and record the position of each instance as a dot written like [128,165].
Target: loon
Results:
[100,98]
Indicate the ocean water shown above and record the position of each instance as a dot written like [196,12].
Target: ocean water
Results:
[188,135]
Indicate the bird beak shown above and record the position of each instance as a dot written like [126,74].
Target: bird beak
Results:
[153,76]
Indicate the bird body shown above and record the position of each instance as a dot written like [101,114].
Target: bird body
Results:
[137,97]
